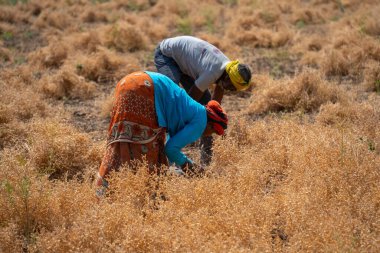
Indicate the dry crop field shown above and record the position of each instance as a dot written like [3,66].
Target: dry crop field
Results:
[299,169]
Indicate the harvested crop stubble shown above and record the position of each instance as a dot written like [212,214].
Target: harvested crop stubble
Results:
[306,92]
[67,153]
[20,104]
[349,54]
[275,186]
[372,76]
[59,19]
[66,83]
[89,42]
[105,66]
[359,118]
[124,38]
[52,56]
[298,170]
[301,166]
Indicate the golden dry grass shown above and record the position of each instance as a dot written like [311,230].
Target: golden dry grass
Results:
[297,172]
[66,83]
[306,93]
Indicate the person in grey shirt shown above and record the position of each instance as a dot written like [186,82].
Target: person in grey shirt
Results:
[196,65]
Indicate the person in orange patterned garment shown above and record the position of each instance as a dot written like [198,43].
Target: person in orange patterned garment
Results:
[147,106]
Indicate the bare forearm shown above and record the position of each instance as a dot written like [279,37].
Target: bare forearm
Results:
[195,93]
[218,94]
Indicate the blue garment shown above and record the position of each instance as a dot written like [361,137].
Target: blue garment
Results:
[184,119]
[168,67]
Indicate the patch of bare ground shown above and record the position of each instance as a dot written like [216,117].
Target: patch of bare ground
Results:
[276,62]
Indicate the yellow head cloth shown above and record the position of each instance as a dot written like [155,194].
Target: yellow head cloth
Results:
[236,78]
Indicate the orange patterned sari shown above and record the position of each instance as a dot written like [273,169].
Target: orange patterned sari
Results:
[133,132]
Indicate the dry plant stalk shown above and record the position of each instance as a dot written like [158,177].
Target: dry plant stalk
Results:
[298,170]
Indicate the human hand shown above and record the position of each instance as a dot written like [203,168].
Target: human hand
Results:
[193,170]
[102,186]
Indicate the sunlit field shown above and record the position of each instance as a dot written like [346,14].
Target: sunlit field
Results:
[299,168]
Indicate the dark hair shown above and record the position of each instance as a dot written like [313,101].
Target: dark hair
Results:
[245,72]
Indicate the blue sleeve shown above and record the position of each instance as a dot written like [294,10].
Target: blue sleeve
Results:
[190,133]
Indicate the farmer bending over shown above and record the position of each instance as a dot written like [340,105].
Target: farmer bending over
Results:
[148,105]
[197,64]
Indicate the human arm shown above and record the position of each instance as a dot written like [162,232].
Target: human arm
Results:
[195,93]
[202,84]
[218,93]
[190,133]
